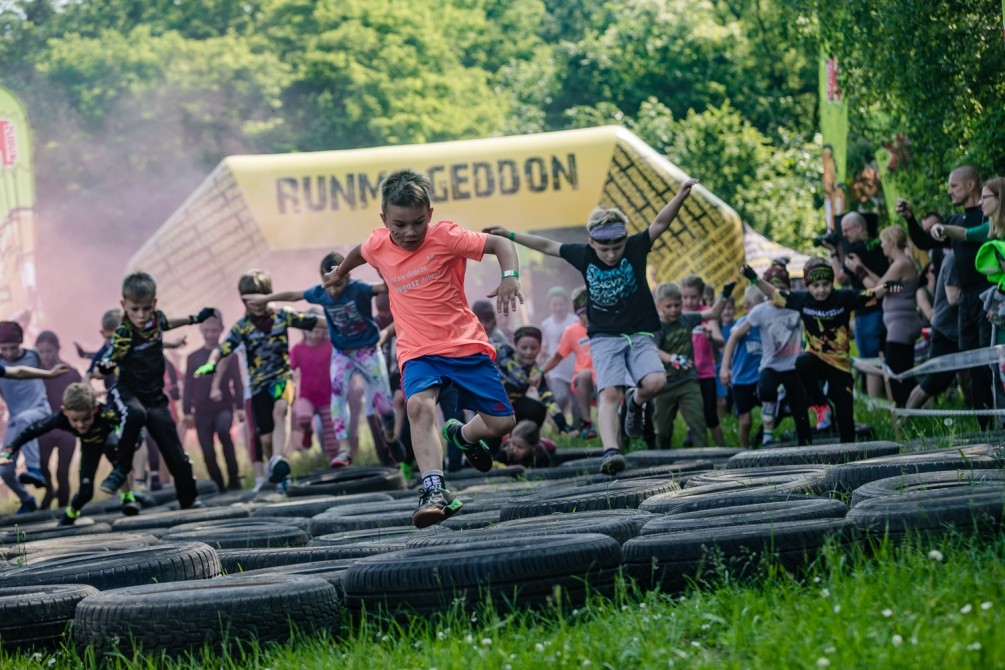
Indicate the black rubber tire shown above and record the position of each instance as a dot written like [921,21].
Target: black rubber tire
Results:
[348,480]
[619,524]
[849,476]
[240,560]
[167,519]
[924,481]
[671,560]
[316,504]
[802,479]
[37,617]
[40,516]
[395,534]
[642,459]
[817,454]
[715,496]
[332,571]
[512,571]
[472,521]
[167,494]
[47,530]
[976,507]
[243,536]
[618,494]
[98,542]
[183,617]
[566,454]
[146,565]
[744,515]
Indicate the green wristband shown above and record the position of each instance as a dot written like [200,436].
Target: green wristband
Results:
[512,236]
[511,273]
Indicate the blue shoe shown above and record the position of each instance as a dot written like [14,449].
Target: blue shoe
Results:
[115,480]
[27,505]
[33,476]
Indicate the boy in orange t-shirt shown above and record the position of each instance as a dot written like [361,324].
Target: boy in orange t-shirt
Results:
[584,383]
[440,341]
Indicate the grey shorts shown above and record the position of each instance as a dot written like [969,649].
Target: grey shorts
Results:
[620,360]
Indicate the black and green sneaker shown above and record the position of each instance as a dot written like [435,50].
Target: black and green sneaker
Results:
[69,517]
[130,507]
[435,505]
[478,453]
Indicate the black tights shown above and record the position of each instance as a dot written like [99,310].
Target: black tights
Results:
[815,371]
[900,357]
[63,443]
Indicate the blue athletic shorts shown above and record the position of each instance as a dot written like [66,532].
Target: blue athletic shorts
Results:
[475,377]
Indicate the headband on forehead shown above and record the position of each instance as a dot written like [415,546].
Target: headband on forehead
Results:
[818,273]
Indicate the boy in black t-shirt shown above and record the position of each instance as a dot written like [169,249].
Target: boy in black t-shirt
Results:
[826,314]
[94,424]
[137,353]
[621,312]
[676,345]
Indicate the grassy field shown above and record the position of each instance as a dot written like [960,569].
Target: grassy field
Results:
[927,604]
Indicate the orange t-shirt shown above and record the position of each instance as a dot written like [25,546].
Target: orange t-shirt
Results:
[575,339]
[426,288]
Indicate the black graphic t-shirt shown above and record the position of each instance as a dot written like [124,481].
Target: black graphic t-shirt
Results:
[676,339]
[139,353]
[825,322]
[619,300]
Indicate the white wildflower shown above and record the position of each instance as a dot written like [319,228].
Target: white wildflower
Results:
[823,662]
[966,609]
[986,605]
[936,555]
[888,612]
[897,640]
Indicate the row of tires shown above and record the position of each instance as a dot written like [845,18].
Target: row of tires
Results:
[176,580]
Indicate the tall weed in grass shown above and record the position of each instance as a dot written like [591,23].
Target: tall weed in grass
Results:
[927,603]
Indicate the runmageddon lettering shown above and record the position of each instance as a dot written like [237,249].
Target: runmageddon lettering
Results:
[459,181]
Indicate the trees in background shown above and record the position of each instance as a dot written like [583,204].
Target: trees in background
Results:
[133,101]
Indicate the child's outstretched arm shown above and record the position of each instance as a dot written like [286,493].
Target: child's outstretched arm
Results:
[508,291]
[262,299]
[715,311]
[535,242]
[353,260]
[751,274]
[670,210]
[190,320]
[27,372]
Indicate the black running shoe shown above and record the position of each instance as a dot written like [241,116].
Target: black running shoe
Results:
[69,517]
[633,415]
[612,463]
[435,505]
[130,507]
[478,454]
[115,480]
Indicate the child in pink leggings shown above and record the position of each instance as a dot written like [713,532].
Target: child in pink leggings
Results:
[312,359]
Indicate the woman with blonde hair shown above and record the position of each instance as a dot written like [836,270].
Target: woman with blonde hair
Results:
[900,308]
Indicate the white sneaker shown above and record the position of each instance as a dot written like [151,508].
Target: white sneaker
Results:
[259,483]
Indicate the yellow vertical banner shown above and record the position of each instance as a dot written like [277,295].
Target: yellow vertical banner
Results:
[18,287]
[834,129]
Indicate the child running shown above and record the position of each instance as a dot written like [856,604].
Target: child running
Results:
[440,341]
[621,313]
[137,354]
[310,361]
[583,386]
[781,341]
[95,424]
[211,416]
[676,350]
[264,332]
[27,403]
[740,369]
[825,314]
[348,306]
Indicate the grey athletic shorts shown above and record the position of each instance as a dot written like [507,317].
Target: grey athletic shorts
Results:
[623,360]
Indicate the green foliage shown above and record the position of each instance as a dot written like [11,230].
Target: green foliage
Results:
[933,68]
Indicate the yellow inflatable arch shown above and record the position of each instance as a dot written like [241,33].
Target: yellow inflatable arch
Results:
[251,206]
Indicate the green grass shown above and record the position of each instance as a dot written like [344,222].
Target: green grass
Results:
[898,607]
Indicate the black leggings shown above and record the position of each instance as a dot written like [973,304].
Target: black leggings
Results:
[207,424]
[155,416]
[90,456]
[839,389]
[900,357]
[710,402]
[795,394]
[63,443]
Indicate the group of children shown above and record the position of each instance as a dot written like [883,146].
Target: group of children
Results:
[628,348]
